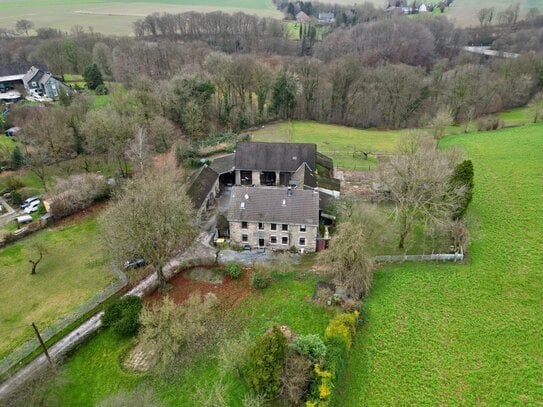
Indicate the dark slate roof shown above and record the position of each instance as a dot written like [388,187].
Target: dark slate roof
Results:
[222,165]
[202,183]
[18,68]
[304,178]
[285,157]
[273,204]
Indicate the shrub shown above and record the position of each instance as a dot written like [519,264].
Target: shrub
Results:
[342,326]
[260,280]
[13,183]
[123,315]
[295,379]
[311,346]
[170,329]
[16,198]
[266,359]
[234,270]
[322,387]
[101,90]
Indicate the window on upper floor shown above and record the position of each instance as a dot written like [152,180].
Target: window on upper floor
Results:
[284,226]
[302,228]
[244,225]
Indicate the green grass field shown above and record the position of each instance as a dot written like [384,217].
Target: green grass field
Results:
[470,334]
[339,142]
[94,371]
[464,12]
[73,270]
[116,17]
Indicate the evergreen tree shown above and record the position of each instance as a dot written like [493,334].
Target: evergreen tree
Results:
[463,176]
[93,76]
[17,159]
[283,95]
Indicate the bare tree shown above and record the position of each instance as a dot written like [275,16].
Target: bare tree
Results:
[151,218]
[40,250]
[443,119]
[46,138]
[167,328]
[139,151]
[22,26]
[417,182]
[348,259]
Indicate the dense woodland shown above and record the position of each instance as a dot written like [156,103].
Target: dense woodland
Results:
[199,74]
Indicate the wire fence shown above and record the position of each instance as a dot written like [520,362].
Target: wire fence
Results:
[30,346]
[420,257]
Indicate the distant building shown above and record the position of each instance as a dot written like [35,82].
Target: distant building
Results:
[301,17]
[274,218]
[39,85]
[327,18]
[423,8]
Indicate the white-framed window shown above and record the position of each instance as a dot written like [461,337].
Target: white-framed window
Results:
[53,86]
[273,226]
[273,239]
[55,93]
[302,228]
[244,225]
[284,227]
[244,238]
[284,240]
[302,241]
[260,226]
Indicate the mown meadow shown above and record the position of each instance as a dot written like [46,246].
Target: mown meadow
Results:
[465,334]
[73,269]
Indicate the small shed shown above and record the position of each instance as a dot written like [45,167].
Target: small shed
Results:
[301,17]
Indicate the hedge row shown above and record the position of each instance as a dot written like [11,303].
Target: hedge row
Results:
[338,338]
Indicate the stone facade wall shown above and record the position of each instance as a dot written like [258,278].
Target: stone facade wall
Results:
[293,235]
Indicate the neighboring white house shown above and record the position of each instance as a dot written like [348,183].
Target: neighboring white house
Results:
[423,8]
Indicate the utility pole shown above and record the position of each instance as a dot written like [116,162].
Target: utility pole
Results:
[44,347]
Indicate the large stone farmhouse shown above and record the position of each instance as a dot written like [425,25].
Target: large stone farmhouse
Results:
[275,200]
[274,218]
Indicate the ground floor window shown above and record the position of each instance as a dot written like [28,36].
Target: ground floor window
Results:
[273,239]
[260,242]
[302,241]
[284,240]
[244,238]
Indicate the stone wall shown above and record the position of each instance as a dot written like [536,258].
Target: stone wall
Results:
[293,236]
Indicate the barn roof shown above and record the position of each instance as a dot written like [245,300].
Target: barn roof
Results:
[202,183]
[284,157]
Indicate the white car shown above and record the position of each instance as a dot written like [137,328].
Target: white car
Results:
[32,207]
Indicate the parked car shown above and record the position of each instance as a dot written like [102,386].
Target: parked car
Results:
[28,201]
[134,263]
[32,207]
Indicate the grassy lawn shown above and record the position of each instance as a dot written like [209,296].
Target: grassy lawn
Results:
[6,144]
[470,334]
[72,271]
[94,371]
[339,142]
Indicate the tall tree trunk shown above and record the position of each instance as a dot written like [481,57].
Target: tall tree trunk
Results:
[161,278]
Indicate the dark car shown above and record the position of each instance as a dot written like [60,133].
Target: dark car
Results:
[134,263]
